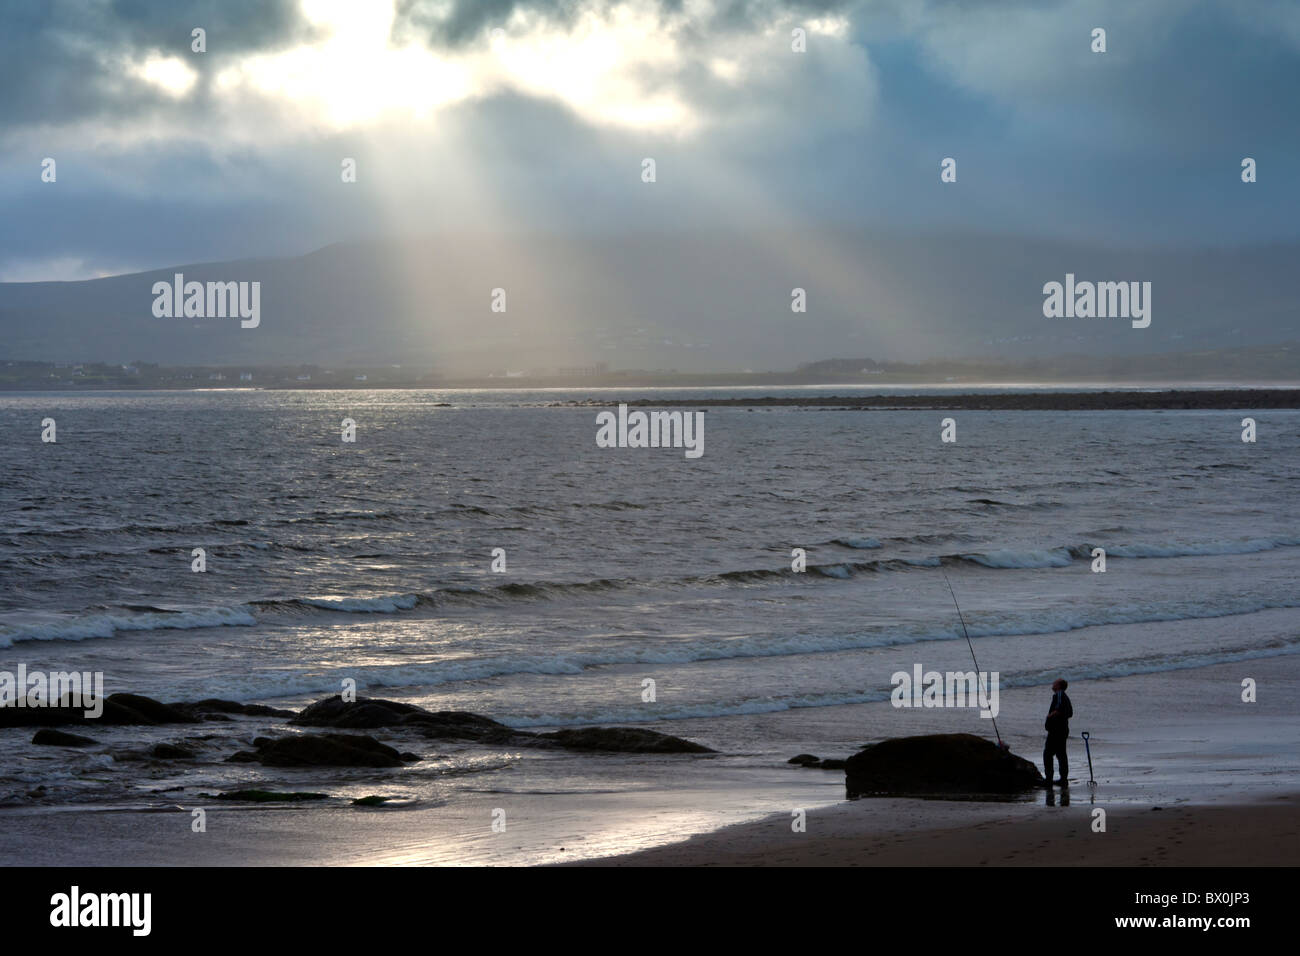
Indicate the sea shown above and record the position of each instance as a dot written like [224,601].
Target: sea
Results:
[476,550]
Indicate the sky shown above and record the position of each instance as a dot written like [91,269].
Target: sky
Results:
[534,118]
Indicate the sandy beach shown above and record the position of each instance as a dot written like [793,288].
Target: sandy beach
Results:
[1224,780]
[890,833]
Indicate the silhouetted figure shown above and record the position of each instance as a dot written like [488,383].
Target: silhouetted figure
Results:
[1057,726]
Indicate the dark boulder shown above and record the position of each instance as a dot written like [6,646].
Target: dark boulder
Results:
[362,713]
[936,764]
[57,738]
[13,715]
[214,708]
[321,750]
[366,713]
[809,762]
[462,725]
[118,710]
[628,740]
[136,708]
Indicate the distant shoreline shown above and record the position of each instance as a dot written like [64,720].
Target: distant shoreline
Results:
[1130,398]
[1237,398]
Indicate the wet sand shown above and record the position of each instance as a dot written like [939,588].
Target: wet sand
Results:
[1223,771]
[1265,833]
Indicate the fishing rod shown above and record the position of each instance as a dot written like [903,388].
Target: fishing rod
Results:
[1092,781]
[978,672]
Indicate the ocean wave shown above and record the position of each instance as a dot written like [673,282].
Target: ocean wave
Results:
[1040,504]
[1245,546]
[771,704]
[383,604]
[1061,556]
[83,627]
[1054,558]
[832,570]
[980,625]
[863,544]
[104,624]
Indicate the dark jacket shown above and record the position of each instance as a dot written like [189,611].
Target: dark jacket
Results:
[1059,726]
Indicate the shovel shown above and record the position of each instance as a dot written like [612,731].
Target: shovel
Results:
[1088,750]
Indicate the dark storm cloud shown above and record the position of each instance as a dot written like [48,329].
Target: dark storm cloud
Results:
[468,19]
[1141,145]
[61,61]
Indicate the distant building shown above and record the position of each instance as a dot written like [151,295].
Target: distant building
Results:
[216,377]
[359,378]
[245,376]
[304,378]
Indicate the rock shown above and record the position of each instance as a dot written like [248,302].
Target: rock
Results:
[325,750]
[57,738]
[366,712]
[131,709]
[371,801]
[269,796]
[216,709]
[369,713]
[816,763]
[138,709]
[462,725]
[631,740]
[171,752]
[119,709]
[14,715]
[938,764]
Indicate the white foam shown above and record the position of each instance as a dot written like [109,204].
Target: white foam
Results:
[1055,558]
[87,626]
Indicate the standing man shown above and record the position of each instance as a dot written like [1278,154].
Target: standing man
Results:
[1057,726]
